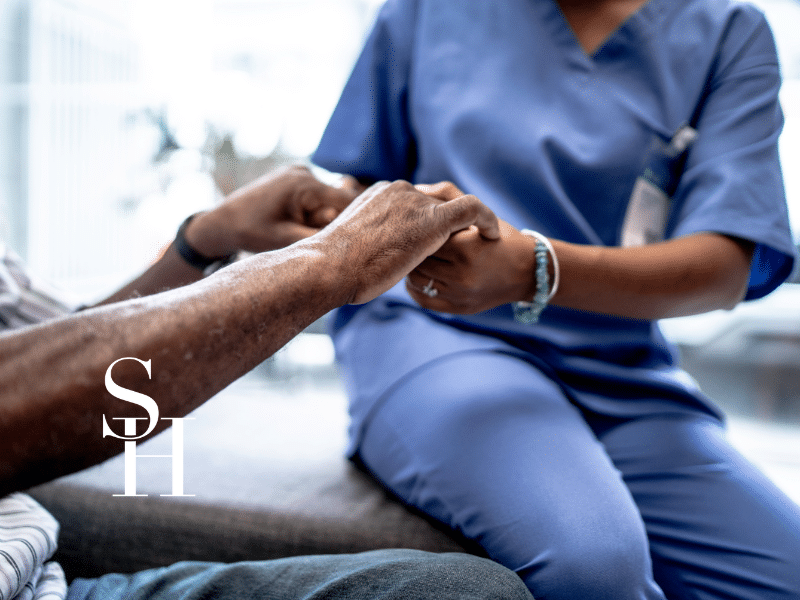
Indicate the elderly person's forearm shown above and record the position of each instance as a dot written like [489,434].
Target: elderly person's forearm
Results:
[202,337]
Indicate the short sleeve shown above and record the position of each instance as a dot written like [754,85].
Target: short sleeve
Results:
[368,135]
[732,183]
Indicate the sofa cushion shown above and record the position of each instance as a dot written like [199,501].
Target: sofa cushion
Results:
[268,479]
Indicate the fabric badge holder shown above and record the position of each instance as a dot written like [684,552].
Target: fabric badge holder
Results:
[650,202]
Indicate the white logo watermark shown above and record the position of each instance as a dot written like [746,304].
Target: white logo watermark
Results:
[130,436]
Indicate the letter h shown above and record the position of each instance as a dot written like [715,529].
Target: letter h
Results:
[131,456]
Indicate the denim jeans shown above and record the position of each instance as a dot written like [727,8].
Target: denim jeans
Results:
[381,574]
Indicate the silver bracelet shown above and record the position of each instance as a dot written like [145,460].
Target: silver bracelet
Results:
[528,312]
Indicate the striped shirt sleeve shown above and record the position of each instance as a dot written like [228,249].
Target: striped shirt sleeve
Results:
[28,536]
[28,533]
[24,300]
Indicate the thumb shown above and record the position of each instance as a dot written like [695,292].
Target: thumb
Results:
[465,211]
[350,184]
[322,216]
[338,198]
[293,232]
[323,197]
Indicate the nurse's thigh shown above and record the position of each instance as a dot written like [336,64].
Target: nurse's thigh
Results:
[487,444]
[717,527]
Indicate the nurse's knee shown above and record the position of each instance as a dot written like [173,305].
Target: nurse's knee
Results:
[611,565]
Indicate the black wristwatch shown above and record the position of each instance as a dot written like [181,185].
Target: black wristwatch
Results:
[192,256]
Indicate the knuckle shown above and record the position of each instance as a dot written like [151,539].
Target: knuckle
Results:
[380,186]
[401,185]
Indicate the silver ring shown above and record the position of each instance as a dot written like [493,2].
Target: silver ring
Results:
[429,290]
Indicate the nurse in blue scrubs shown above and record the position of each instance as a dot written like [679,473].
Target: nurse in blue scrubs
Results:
[630,148]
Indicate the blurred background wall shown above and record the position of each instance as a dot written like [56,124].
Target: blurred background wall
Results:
[119,117]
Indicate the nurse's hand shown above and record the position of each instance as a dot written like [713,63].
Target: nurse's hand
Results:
[471,273]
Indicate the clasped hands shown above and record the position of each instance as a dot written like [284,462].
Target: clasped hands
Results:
[474,260]
[472,272]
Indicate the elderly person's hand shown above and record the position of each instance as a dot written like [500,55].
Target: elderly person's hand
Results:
[272,212]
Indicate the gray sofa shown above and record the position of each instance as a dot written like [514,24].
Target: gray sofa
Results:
[269,480]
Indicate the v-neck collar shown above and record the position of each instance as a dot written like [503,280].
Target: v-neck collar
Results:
[566,38]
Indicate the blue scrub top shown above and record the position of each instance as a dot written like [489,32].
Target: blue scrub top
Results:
[500,98]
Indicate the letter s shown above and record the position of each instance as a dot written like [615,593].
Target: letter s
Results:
[122,393]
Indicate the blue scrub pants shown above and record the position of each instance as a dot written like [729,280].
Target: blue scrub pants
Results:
[582,506]
[378,575]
